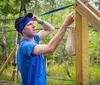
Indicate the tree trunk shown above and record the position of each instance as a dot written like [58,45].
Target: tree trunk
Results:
[70,63]
[62,58]
[4,47]
[18,38]
[68,73]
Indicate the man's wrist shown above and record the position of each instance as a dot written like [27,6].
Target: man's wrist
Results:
[41,22]
[65,24]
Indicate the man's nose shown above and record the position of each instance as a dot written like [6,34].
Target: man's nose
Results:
[33,25]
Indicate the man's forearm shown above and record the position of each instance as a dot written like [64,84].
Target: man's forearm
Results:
[48,26]
[55,41]
[58,37]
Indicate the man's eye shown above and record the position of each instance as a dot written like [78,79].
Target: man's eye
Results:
[29,24]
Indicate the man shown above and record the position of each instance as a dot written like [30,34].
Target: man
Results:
[29,56]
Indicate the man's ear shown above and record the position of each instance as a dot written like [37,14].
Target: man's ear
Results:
[23,31]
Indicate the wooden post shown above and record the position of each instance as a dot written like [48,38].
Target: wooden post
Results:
[81,50]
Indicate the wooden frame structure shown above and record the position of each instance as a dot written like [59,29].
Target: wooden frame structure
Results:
[84,13]
[13,52]
[8,59]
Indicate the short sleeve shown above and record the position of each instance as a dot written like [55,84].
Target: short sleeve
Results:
[28,47]
[37,38]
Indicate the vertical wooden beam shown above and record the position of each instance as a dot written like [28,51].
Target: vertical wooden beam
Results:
[78,49]
[85,51]
[81,50]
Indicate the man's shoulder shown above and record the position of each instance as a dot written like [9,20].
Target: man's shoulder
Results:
[37,38]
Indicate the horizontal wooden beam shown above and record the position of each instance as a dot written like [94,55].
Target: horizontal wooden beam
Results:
[93,19]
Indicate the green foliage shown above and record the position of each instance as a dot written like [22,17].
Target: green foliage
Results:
[56,71]
[8,7]
[51,62]
[4,77]
[94,42]
[94,73]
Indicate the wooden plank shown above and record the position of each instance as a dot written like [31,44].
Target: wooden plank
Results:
[78,19]
[81,49]
[93,19]
[8,59]
[85,77]
[93,10]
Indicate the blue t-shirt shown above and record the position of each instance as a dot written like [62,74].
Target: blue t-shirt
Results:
[31,67]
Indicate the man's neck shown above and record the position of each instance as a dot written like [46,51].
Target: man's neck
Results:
[29,38]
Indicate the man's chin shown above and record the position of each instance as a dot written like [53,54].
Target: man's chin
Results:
[34,34]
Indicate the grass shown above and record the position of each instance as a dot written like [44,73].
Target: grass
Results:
[56,73]
[60,82]
[60,72]
[7,74]
[94,73]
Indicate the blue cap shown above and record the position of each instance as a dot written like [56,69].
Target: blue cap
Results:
[21,22]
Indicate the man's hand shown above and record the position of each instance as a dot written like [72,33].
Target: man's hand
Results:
[69,19]
[35,18]
[47,27]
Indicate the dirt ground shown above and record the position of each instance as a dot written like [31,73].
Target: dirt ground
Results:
[1,83]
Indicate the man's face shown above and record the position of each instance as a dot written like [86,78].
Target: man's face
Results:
[30,28]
